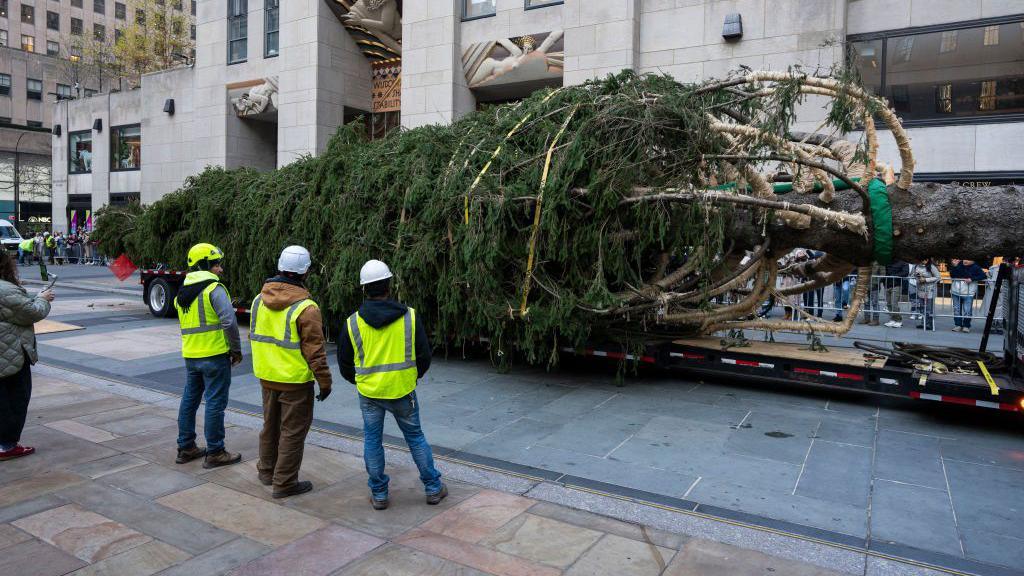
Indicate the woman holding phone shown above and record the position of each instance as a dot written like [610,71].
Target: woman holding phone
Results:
[18,313]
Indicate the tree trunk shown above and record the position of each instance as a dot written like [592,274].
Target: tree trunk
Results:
[929,221]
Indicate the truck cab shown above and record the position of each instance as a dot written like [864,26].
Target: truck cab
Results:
[9,236]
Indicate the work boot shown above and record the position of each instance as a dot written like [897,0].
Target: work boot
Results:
[266,480]
[221,458]
[186,455]
[435,498]
[300,487]
[379,504]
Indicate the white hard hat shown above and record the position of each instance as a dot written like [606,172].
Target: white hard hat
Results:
[373,271]
[294,259]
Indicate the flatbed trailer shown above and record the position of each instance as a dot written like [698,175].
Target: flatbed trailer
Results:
[838,368]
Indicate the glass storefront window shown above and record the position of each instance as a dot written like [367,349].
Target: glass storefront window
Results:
[957,75]
[126,147]
[80,152]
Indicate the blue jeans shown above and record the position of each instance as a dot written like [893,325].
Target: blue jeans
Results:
[208,378]
[927,313]
[407,415]
[963,307]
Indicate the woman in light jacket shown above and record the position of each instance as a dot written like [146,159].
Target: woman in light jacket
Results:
[18,313]
[927,276]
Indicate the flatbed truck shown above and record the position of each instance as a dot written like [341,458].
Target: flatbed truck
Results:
[837,368]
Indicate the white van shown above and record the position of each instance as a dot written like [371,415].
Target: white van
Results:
[9,236]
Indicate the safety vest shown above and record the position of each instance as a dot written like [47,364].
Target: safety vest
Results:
[26,245]
[385,358]
[276,353]
[50,242]
[202,335]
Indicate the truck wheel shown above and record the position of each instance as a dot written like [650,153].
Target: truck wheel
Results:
[161,298]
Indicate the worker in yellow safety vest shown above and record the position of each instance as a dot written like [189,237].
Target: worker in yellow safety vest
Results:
[26,248]
[211,346]
[385,352]
[289,352]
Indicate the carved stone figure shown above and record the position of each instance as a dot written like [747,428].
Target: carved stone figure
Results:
[525,61]
[380,18]
[261,98]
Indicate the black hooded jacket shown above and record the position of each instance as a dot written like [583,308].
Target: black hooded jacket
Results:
[380,313]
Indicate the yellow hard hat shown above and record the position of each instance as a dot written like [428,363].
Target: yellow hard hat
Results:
[203,251]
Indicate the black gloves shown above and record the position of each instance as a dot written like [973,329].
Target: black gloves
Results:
[324,393]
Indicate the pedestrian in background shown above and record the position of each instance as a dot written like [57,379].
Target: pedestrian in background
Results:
[18,313]
[288,354]
[965,274]
[873,310]
[895,286]
[814,300]
[210,345]
[385,353]
[927,276]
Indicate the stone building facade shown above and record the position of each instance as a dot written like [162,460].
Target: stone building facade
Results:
[961,90]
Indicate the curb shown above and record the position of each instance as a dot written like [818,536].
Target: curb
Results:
[91,288]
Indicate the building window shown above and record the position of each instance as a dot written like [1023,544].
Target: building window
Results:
[271,26]
[960,74]
[28,43]
[948,43]
[52,20]
[3,37]
[125,147]
[74,53]
[89,92]
[177,27]
[76,26]
[34,89]
[192,31]
[140,17]
[193,7]
[99,6]
[472,9]
[179,5]
[76,3]
[63,92]
[3,8]
[238,30]
[5,84]
[80,152]
[118,33]
[33,123]
[541,3]
[99,32]
[991,35]
[52,48]
[120,11]
[28,14]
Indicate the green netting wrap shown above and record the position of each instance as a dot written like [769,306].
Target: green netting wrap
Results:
[881,218]
[456,211]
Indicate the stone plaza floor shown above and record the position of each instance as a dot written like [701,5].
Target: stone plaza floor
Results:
[941,486]
[103,496]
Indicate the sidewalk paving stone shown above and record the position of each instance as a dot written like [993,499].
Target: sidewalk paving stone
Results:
[219,560]
[318,553]
[914,515]
[614,555]
[242,514]
[144,560]
[473,555]
[837,473]
[151,481]
[82,533]
[478,516]
[37,558]
[9,536]
[395,560]
[108,465]
[543,540]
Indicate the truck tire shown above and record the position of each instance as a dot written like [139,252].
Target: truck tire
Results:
[160,298]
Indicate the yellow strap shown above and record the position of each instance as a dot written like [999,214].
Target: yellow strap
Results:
[988,378]
[536,211]
[497,151]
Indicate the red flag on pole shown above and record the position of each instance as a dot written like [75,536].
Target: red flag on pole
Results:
[123,267]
